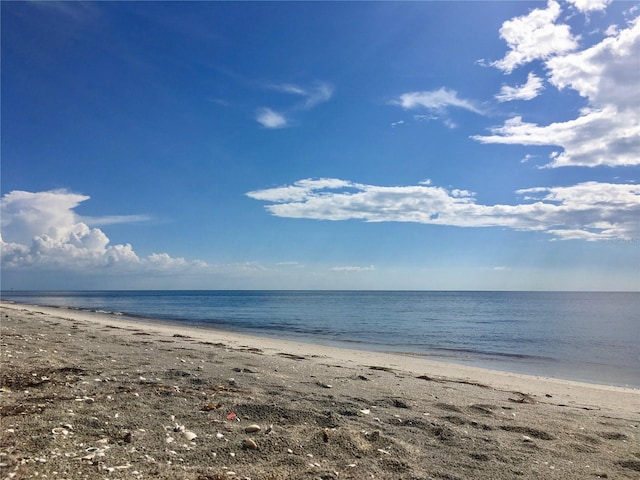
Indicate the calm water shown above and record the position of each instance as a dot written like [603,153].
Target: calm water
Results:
[592,337]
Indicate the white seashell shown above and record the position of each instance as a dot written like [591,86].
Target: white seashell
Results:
[189,435]
[252,428]
[366,411]
[59,431]
[219,435]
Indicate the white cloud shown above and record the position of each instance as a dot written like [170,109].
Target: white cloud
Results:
[436,101]
[607,131]
[597,137]
[606,73]
[300,190]
[353,269]
[40,230]
[527,91]
[590,5]
[26,214]
[290,264]
[535,36]
[601,211]
[270,119]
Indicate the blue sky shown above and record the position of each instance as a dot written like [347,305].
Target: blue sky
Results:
[383,145]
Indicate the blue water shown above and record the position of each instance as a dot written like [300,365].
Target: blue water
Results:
[592,337]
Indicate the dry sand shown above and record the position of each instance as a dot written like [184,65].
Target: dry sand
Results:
[86,396]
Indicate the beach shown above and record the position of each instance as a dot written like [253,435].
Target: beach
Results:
[88,395]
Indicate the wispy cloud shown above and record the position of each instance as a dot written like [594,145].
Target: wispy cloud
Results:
[607,130]
[77,11]
[436,101]
[115,219]
[290,264]
[271,119]
[527,91]
[310,97]
[353,269]
[437,104]
[591,210]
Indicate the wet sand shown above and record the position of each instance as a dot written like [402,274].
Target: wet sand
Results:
[86,396]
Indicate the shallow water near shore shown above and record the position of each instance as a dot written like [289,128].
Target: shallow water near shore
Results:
[586,336]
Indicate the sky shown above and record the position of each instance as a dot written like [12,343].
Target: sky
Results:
[309,145]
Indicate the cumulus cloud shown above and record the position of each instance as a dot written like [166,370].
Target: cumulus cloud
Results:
[40,230]
[607,130]
[591,210]
[590,5]
[597,137]
[270,119]
[605,73]
[527,91]
[535,36]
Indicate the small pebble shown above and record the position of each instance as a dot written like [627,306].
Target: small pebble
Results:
[249,444]
[189,435]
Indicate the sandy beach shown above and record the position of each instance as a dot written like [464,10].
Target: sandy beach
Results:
[86,396]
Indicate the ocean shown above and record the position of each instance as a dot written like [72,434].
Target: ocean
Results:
[584,336]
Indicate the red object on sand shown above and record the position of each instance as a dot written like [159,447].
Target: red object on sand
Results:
[232,416]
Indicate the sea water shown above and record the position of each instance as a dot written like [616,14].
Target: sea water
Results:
[593,337]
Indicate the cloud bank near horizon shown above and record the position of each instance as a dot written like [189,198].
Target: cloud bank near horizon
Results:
[587,211]
[41,230]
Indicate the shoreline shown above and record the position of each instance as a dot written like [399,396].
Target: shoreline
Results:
[552,358]
[87,395]
[406,362]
